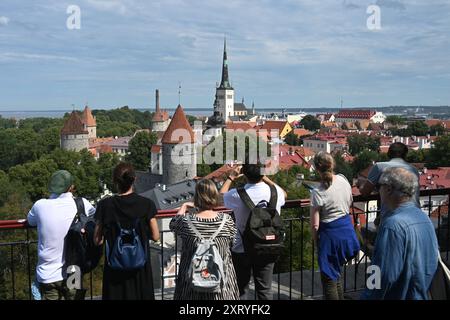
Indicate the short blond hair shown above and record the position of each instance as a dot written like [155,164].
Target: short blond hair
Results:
[206,195]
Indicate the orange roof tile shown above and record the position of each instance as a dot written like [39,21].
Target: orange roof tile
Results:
[302,132]
[87,117]
[238,126]
[155,148]
[74,125]
[160,116]
[179,121]
[274,125]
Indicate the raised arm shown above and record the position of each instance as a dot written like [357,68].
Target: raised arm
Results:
[267,180]
[235,173]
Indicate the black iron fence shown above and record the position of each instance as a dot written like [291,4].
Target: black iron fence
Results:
[296,273]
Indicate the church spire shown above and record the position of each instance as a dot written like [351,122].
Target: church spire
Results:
[225,83]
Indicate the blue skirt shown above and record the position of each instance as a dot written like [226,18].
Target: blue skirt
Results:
[337,245]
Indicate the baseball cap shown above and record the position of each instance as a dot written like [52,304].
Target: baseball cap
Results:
[60,182]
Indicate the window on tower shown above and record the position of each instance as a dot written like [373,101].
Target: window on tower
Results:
[229,96]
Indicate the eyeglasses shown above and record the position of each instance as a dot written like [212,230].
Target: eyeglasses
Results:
[380,185]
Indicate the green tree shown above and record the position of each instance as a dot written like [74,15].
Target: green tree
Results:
[395,120]
[203,169]
[107,162]
[359,142]
[39,125]
[87,176]
[34,176]
[191,120]
[418,128]
[437,130]
[115,128]
[139,149]
[310,123]
[7,123]
[418,156]
[17,147]
[343,167]
[292,139]
[363,160]
[439,155]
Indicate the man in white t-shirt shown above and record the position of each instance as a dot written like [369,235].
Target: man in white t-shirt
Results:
[258,190]
[53,218]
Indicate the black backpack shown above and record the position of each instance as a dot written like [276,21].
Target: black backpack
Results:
[264,232]
[79,247]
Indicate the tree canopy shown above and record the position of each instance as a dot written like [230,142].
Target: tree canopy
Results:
[310,123]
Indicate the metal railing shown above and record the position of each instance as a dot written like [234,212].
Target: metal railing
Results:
[296,273]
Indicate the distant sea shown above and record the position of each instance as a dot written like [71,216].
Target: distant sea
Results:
[60,113]
[391,110]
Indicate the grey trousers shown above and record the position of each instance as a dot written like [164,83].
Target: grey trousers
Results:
[262,271]
[332,290]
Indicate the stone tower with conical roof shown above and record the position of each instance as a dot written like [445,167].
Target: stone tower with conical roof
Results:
[160,120]
[178,150]
[225,92]
[74,134]
[89,121]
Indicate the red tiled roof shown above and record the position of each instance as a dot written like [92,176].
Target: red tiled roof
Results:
[74,125]
[179,121]
[250,123]
[155,148]
[328,124]
[384,149]
[160,116]
[238,126]
[302,132]
[220,174]
[95,143]
[274,125]
[87,117]
[435,178]
[444,123]
[326,116]
[355,114]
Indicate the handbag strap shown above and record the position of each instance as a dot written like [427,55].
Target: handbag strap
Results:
[198,234]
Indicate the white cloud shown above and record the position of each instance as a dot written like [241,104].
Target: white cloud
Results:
[4,21]
[13,56]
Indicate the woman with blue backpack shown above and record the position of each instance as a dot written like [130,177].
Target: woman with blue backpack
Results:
[125,224]
[206,269]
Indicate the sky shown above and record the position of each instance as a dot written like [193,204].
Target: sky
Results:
[281,53]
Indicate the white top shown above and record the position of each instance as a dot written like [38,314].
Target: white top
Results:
[53,218]
[257,192]
[334,202]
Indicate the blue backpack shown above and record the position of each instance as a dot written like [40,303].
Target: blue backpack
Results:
[127,252]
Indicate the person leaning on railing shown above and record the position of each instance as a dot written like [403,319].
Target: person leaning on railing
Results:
[406,248]
[129,211]
[331,227]
[397,154]
[258,190]
[203,223]
[53,218]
